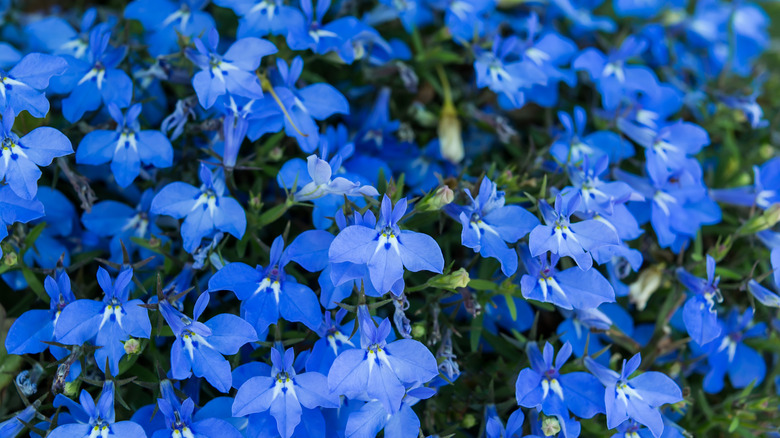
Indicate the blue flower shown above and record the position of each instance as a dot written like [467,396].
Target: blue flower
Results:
[283,393]
[205,209]
[20,157]
[379,369]
[581,13]
[494,428]
[321,182]
[763,193]
[637,398]
[95,79]
[110,322]
[267,293]
[386,249]
[728,354]
[21,89]
[572,288]
[126,147]
[33,328]
[233,72]
[307,104]
[94,419]
[614,78]
[573,145]
[122,223]
[179,421]
[164,21]
[489,225]
[561,237]
[699,313]
[372,417]
[543,385]
[670,144]
[311,32]
[14,208]
[264,17]
[15,424]
[199,347]
[507,77]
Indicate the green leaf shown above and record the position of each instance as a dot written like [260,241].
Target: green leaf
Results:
[477,284]
[35,284]
[476,331]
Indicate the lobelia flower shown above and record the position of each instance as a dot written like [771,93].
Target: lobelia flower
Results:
[615,79]
[572,145]
[11,427]
[321,182]
[562,238]
[379,369]
[199,347]
[34,327]
[387,249]
[205,209]
[372,417]
[668,144]
[164,21]
[233,72]
[598,196]
[96,79]
[179,421]
[728,354]
[334,339]
[542,386]
[494,428]
[637,398]
[126,147]
[110,322]
[268,293]
[504,75]
[20,158]
[699,313]
[94,420]
[14,208]
[311,32]
[261,18]
[283,393]
[310,103]
[21,89]
[581,13]
[763,193]
[489,225]
[122,222]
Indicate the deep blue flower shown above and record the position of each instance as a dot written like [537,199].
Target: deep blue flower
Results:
[94,419]
[263,17]
[387,249]
[372,417]
[668,144]
[21,157]
[179,421]
[379,369]
[21,89]
[562,238]
[109,322]
[127,147]
[489,225]
[205,209]
[494,428]
[34,327]
[506,76]
[16,209]
[233,72]
[15,424]
[699,313]
[614,78]
[573,144]
[164,21]
[307,104]
[268,293]
[543,385]
[284,392]
[763,193]
[728,354]
[199,347]
[311,32]
[637,398]
[95,80]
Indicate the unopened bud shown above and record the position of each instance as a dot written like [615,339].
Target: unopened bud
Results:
[276,154]
[132,346]
[551,426]
[10,259]
[443,196]
[71,388]
[468,421]
[644,287]
[450,138]
[418,331]
[453,280]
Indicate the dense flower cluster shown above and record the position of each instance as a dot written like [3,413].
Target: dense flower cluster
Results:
[243,217]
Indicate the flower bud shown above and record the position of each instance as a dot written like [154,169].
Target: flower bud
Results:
[450,138]
[71,388]
[468,421]
[551,426]
[443,196]
[644,287]
[132,346]
[10,259]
